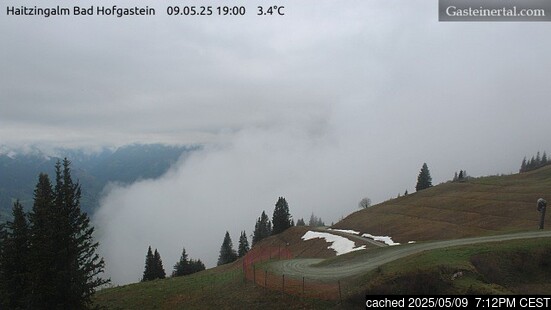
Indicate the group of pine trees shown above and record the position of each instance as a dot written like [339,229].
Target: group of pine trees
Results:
[154,266]
[281,220]
[48,256]
[534,163]
[187,266]
[228,254]
[461,176]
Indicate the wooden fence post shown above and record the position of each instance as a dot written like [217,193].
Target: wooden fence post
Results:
[283,281]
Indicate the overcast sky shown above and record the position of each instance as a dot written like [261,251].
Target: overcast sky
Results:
[335,101]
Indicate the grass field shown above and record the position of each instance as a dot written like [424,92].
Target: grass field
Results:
[481,206]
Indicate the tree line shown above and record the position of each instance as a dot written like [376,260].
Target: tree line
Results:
[154,266]
[48,256]
[534,162]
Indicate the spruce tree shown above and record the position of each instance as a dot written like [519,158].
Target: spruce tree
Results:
[544,159]
[79,265]
[149,270]
[281,219]
[300,222]
[196,265]
[243,247]
[262,228]
[3,298]
[158,266]
[523,166]
[14,260]
[182,267]
[43,246]
[227,253]
[424,179]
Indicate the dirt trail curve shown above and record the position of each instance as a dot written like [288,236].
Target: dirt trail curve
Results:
[370,260]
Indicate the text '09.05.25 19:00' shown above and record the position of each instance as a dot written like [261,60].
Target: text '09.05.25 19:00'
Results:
[192,10]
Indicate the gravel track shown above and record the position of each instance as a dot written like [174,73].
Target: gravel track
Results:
[370,260]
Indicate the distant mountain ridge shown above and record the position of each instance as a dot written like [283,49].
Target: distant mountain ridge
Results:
[19,169]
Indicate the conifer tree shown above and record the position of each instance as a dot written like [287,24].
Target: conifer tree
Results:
[196,265]
[3,298]
[523,165]
[63,268]
[43,248]
[262,228]
[300,222]
[79,266]
[182,267]
[158,266]
[14,260]
[281,219]
[544,159]
[149,270]
[424,179]
[227,253]
[243,247]
[187,266]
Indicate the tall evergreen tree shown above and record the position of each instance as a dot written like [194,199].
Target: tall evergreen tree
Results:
[43,246]
[281,219]
[523,165]
[262,228]
[544,159]
[227,253]
[300,222]
[187,266]
[65,266]
[182,267]
[158,266]
[3,297]
[79,265]
[14,260]
[243,247]
[149,270]
[424,180]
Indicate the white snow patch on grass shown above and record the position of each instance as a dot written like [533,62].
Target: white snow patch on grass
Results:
[385,239]
[340,245]
[346,231]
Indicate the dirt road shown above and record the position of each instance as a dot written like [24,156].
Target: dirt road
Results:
[372,259]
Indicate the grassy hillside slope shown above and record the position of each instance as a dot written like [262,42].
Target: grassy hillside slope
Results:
[510,267]
[480,206]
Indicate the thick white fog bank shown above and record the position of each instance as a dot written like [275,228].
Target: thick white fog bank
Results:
[226,187]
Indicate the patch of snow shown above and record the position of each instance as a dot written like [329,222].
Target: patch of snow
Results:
[346,231]
[410,242]
[340,245]
[385,239]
